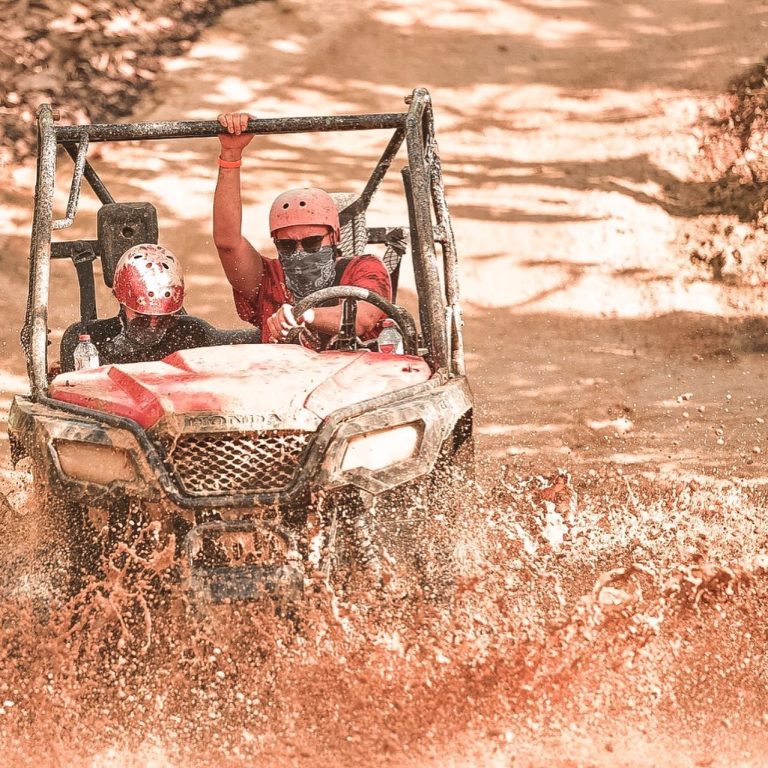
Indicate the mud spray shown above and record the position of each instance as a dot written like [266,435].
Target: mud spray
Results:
[601,621]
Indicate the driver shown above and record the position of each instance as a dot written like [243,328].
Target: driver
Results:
[149,284]
[304,224]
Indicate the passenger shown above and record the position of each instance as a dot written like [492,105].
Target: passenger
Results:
[149,284]
[304,224]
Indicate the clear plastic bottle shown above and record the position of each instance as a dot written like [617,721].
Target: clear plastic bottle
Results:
[86,354]
[390,339]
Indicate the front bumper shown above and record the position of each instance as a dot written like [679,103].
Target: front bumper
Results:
[39,428]
[282,582]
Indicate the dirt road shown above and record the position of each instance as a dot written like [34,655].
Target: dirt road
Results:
[568,135]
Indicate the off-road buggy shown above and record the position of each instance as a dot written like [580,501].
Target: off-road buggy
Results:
[268,463]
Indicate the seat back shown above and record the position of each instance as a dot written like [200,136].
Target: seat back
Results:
[355,236]
[120,226]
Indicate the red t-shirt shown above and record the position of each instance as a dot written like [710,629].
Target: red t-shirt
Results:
[362,271]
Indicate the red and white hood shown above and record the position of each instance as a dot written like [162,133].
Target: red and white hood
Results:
[248,386]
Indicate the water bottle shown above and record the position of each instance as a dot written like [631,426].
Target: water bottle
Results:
[390,339]
[86,354]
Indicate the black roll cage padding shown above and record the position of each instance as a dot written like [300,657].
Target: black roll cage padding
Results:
[429,222]
[351,292]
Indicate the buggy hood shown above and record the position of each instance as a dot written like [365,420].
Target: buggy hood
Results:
[251,386]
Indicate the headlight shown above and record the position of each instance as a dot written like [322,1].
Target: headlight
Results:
[95,463]
[382,448]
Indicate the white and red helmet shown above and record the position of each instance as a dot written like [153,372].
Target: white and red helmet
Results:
[304,206]
[148,280]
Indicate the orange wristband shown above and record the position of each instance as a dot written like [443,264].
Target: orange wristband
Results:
[230,163]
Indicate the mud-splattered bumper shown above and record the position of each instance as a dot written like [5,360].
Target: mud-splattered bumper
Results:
[90,456]
[281,581]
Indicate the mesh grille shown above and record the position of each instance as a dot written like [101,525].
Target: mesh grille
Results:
[216,463]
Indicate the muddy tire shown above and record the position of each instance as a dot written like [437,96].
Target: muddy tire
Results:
[84,547]
[446,496]
[78,548]
[397,547]
[404,541]
[67,544]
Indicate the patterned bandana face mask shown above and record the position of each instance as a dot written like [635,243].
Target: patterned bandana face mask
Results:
[306,273]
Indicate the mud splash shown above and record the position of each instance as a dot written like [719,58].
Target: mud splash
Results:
[613,618]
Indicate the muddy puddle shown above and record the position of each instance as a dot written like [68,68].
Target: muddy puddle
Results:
[596,620]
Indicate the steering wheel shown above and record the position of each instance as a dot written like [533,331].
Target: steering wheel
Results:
[350,295]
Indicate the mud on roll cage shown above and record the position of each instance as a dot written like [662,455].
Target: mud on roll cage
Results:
[429,219]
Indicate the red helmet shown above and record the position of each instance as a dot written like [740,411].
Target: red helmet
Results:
[304,206]
[149,281]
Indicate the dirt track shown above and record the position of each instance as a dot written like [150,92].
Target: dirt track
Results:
[567,138]
[567,132]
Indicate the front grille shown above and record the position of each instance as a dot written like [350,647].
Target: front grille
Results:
[217,463]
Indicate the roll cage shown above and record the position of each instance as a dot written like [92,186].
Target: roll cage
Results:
[120,224]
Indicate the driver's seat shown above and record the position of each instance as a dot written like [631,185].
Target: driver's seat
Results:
[355,237]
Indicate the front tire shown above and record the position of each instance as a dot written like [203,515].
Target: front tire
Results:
[78,544]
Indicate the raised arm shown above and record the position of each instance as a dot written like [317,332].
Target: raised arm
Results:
[242,263]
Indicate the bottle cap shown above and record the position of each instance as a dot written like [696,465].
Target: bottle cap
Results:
[387,322]
[85,337]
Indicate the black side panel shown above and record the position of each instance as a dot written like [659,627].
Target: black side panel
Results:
[121,226]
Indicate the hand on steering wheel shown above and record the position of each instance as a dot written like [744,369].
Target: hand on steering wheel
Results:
[352,293]
[283,322]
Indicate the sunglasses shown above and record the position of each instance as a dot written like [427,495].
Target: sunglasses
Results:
[308,245]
